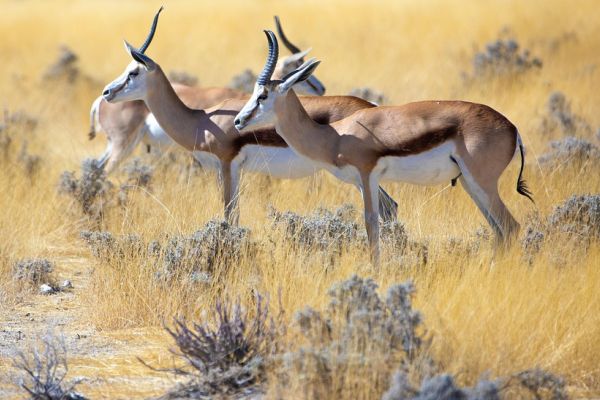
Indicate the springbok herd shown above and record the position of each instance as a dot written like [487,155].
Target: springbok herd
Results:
[275,132]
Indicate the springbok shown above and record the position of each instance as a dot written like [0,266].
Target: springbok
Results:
[424,143]
[211,136]
[126,124]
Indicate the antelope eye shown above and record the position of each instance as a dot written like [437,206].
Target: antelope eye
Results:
[262,96]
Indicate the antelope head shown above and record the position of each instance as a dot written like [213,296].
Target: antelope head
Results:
[312,86]
[132,83]
[268,94]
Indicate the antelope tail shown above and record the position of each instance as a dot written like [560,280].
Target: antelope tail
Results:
[522,188]
[94,118]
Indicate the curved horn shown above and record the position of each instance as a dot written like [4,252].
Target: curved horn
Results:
[290,46]
[267,71]
[144,46]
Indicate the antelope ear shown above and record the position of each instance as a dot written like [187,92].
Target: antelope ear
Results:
[140,57]
[296,57]
[301,74]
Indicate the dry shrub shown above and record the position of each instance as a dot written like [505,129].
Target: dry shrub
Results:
[560,118]
[18,127]
[574,222]
[330,233]
[502,57]
[33,271]
[322,230]
[533,382]
[227,353]
[183,77]
[193,258]
[439,387]
[359,338]
[244,81]
[65,66]
[43,371]
[90,192]
[571,152]
[29,162]
[112,249]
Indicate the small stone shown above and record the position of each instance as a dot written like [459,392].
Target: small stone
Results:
[66,285]
[46,289]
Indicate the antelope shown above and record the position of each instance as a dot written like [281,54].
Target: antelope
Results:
[210,133]
[423,143]
[126,124]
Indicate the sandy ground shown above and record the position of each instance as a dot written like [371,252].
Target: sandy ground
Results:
[101,357]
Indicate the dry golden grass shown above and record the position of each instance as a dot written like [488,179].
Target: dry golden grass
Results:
[498,316]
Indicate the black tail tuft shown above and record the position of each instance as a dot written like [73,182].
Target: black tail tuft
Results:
[522,188]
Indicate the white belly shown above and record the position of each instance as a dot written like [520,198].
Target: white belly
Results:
[432,167]
[279,162]
[155,134]
[208,160]
[347,173]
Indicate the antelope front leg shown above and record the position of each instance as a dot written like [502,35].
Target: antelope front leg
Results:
[230,174]
[370,193]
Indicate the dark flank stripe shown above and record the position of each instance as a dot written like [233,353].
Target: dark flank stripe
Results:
[423,142]
[261,137]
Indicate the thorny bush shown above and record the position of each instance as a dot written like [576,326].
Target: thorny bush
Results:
[194,257]
[439,387]
[359,333]
[244,81]
[182,77]
[332,232]
[44,371]
[560,117]
[18,125]
[577,220]
[537,382]
[90,191]
[226,352]
[35,271]
[571,151]
[502,58]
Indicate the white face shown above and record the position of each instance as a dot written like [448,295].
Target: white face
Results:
[259,111]
[130,85]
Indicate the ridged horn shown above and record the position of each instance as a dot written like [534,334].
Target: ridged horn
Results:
[290,46]
[267,72]
[144,46]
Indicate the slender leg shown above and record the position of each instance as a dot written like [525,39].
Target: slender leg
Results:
[105,156]
[370,193]
[388,208]
[235,193]
[483,203]
[510,227]
[485,195]
[227,192]
[122,147]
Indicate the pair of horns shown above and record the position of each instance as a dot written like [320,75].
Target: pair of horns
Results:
[269,68]
[267,72]
[290,46]
[150,36]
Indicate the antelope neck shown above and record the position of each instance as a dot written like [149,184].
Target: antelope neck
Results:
[184,125]
[304,135]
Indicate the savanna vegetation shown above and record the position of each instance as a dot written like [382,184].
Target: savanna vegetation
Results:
[287,305]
